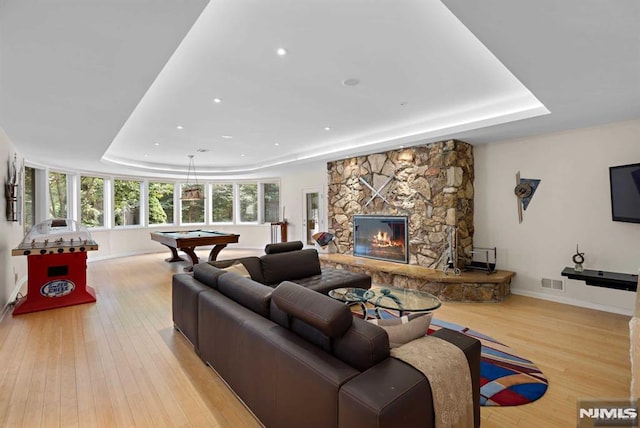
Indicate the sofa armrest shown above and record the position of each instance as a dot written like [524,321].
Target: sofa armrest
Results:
[388,395]
[393,393]
[472,350]
[185,291]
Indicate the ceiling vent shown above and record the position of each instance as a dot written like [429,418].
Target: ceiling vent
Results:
[552,284]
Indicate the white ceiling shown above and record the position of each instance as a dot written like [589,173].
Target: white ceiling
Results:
[94,85]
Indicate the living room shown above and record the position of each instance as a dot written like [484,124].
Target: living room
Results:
[571,157]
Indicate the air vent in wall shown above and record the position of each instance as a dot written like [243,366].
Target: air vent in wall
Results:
[553,284]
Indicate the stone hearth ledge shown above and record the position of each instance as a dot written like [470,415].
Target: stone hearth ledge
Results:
[471,286]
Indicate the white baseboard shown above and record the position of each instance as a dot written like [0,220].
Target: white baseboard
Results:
[573,302]
[12,296]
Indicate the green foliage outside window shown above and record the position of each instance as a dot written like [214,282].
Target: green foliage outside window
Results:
[222,203]
[29,197]
[126,202]
[57,195]
[248,194]
[161,203]
[271,197]
[193,210]
[92,201]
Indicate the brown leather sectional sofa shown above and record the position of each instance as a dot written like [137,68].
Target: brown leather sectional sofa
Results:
[289,262]
[298,358]
[281,262]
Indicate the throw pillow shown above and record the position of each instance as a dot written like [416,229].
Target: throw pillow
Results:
[404,329]
[238,268]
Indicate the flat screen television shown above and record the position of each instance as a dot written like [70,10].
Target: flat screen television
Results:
[625,192]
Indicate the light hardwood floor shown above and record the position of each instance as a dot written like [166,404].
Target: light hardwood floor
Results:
[119,362]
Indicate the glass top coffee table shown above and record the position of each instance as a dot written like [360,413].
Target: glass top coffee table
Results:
[353,296]
[403,300]
[396,299]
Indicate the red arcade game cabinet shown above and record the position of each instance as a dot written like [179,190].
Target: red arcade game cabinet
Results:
[56,251]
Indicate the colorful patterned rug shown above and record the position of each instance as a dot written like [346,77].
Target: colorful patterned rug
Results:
[505,378]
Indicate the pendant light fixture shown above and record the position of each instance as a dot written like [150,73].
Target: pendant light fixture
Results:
[192,191]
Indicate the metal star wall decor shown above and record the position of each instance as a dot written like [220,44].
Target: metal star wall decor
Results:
[376,193]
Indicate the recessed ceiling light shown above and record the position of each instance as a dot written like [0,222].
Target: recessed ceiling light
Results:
[217,100]
[179,127]
[228,137]
[327,128]
[243,155]
[146,155]
[276,144]
[281,51]
[156,144]
[352,81]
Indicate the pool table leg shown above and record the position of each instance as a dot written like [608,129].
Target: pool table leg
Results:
[213,255]
[190,251]
[174,255]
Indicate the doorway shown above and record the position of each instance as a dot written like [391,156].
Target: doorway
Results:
[312,213]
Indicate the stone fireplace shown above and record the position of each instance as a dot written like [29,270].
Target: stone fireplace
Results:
[430,185]
[381,237]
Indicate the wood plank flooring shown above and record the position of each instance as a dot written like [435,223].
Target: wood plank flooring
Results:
[119,362]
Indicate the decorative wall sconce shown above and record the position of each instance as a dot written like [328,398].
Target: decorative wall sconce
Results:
[12,189]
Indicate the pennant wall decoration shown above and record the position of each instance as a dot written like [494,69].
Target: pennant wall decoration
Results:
[524,190]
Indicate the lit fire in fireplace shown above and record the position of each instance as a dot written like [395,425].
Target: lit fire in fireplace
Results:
[381,240]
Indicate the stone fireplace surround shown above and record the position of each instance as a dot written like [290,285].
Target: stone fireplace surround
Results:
[433,186]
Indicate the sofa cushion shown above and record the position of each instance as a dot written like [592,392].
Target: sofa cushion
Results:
[207,274]
[248,293]
[329,316]
[283,247]
[331,278]
[252,264]
[404,329]
[289,266]
[238,268]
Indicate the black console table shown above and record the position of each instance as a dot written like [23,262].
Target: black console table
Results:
[618,281]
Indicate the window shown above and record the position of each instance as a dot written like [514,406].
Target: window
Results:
[58,207]
[271,202]
[29,197]
[92,201]
[248,201]
[161,203]
[222,203]
[193,210]
[126,202]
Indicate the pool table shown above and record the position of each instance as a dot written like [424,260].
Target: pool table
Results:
[188,240]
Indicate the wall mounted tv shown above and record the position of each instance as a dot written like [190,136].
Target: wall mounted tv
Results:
[625,192]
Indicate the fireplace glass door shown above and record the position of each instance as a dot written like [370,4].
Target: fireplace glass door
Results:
[381,237]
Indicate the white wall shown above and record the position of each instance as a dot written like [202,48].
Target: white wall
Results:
[11,233]
[293,181]
[571,206]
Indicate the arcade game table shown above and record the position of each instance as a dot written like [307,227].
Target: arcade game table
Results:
[188,240]
[56,251]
